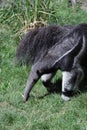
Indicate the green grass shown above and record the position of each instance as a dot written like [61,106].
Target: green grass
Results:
[50,112]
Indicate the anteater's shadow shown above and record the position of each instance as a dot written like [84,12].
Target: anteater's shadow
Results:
[56,88]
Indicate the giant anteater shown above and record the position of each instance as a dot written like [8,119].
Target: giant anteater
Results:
[51,48]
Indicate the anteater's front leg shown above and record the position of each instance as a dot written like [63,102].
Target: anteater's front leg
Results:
[70,82]
[46,80]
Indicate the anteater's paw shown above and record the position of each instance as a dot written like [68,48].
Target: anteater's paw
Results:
[65,98]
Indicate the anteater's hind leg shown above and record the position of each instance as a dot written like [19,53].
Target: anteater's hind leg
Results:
[46,80]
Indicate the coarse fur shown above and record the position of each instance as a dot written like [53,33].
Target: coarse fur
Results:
[51,48]
[36,43]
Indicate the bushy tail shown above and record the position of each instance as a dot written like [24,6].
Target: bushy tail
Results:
[24,53]
[36,43]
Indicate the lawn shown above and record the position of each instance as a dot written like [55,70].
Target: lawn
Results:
[49,112]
